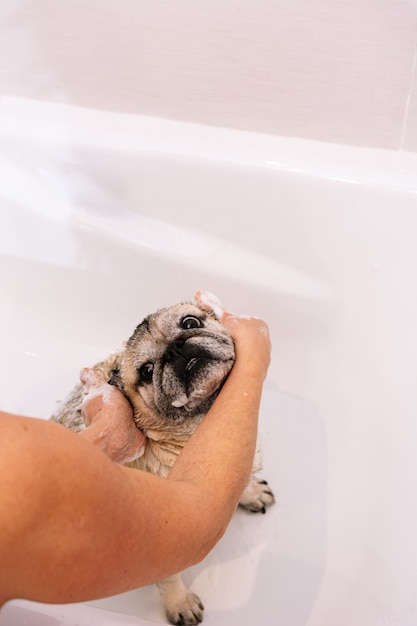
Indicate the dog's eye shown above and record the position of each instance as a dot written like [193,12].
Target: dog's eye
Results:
[191,322]
[146,373]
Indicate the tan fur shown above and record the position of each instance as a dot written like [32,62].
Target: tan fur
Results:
[189,366]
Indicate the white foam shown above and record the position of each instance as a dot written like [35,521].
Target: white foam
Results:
[208,300]
[104,390]
[94,386]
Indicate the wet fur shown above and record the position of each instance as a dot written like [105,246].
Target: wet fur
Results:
[190,363]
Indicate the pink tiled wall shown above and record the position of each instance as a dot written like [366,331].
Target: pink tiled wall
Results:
[334,70]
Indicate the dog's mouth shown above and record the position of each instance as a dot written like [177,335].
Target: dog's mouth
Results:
[184,399]
[201,379]
[191,363]
[181,401]
[191,376]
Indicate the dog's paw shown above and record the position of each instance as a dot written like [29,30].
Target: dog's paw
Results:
[257,496]
[182,606]
[187,611]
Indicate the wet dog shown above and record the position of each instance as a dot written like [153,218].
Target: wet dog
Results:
[171,370]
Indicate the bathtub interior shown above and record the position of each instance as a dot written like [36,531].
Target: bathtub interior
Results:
[107,217]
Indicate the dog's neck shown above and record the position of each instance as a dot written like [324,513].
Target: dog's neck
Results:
[160,453]
[163,446]
[163,439]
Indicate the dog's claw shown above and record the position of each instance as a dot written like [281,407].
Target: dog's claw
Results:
[184,621]
[257,496]
[183,607]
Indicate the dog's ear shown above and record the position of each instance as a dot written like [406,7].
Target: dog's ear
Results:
[115,378]
[113,371]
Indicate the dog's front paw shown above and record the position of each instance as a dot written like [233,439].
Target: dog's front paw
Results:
[182,606]
[257,496]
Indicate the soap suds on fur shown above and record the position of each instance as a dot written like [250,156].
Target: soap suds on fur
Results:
[208,300]
[93,386]
[105,391]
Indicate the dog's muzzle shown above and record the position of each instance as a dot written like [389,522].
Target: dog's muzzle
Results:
[192,372]
[185,359]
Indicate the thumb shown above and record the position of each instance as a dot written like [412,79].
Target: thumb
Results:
[209,302]
[91,378]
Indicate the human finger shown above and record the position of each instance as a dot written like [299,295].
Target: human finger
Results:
[209,302]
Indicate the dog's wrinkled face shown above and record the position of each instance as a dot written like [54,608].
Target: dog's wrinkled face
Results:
[173,365]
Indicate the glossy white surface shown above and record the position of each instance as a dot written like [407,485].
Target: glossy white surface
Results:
[324,70]
[105,217]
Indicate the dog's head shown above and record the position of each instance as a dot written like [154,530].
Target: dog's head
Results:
[173,366]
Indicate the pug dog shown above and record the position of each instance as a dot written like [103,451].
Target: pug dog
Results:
[171,370]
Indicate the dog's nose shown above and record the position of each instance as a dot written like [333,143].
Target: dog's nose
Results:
[175,350]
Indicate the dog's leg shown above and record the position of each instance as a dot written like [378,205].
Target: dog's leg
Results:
[256,496]
[182,606]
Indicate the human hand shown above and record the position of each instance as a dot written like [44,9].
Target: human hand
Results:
[250,334]
[108,417]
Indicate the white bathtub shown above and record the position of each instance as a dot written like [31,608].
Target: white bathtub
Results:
[105,217]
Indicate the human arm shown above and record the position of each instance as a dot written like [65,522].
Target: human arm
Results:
[230,428]
[75,526]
